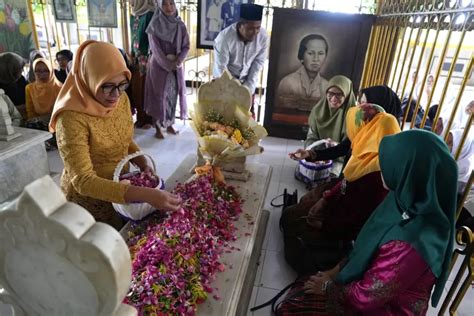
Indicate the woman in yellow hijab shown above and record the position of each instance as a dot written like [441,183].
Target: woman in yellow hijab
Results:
[338,216]
[41,94]
[94,130]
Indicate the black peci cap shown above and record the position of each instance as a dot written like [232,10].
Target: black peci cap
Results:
[251,12]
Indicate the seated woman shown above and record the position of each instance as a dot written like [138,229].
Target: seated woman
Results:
[34,55]
[41,95]
[94,129]
[63,57]
[342,211]
[326,120]
[12,80]
[405,247]
[380,95]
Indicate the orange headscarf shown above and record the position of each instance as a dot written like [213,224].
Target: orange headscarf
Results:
[366,125]
[94,63]
[43,95]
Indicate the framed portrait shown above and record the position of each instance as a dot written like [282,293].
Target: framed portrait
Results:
[307,49]
[64,11]
[214,16]
[102,13]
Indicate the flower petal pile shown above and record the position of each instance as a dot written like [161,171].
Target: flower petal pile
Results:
[175,260]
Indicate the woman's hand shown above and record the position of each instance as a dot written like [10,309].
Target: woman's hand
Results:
[163,200]
[142,163]
[317,283]
[299,154]
[147,169]
[331,142]
[159,199]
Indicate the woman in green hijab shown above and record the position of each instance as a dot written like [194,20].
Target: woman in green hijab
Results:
[405,247]
[328,115]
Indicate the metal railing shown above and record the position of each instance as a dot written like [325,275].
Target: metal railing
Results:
[413,38]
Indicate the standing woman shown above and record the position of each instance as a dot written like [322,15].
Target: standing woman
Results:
[169,45]
[94,130]
[142,12]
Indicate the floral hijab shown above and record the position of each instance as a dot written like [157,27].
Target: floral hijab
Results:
[366,125]
[140,7]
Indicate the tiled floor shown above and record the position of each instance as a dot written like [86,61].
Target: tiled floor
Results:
[273,273]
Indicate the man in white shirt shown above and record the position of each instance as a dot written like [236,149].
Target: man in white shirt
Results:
[241,48]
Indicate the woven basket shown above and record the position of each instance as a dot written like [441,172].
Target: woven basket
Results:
[134,210]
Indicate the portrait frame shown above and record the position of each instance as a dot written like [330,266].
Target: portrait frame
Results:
[346,36]
[205,38]
[102,13]
[64,11]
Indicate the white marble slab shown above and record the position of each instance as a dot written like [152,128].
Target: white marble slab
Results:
[22,160]
[230,283]
[56,260]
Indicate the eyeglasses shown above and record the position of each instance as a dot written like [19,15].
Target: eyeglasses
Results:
[40,72]
[110,88]
[338,95]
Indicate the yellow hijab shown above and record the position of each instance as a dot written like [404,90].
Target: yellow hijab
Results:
[43,95]
[366,125]
[94,63]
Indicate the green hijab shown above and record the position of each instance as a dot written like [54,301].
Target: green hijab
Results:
[326,122]
[419,209]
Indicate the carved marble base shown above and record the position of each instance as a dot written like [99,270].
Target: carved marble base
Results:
[22,160]
[9,137]
[7,132]
[240,176]
[234,169]
[56,260]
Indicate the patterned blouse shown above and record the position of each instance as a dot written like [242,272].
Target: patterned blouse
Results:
[398,282]
[91,147]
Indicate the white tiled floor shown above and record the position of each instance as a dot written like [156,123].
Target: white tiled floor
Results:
[273,273]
